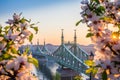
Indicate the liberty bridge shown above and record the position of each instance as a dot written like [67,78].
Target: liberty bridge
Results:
[69,56]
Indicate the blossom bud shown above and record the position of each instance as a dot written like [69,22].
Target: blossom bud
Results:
[16,17]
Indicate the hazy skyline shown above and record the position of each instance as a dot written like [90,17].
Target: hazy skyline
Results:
[53,16]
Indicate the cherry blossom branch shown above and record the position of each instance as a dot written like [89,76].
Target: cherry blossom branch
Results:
[110,47]
[12,77]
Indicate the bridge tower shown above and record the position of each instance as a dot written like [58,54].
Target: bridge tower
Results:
[62,42]
[44,49]
[62,37]
[75,43]
[44,42]
[75,37]
[38,42]
[66,73]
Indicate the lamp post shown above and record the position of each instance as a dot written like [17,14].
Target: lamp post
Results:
[91,57]
[43,71]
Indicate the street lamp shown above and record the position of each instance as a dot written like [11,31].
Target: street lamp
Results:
[91,57]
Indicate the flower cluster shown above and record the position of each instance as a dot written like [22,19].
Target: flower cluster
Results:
[13,64]
[103,19]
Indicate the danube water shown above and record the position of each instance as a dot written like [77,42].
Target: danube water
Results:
[47,70]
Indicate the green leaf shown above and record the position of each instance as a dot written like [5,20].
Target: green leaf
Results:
[6,27]
[14,51]
[89,62]
[18,29]
[36,29]
[97,1]
[31,25]
[1,35]
[30,37]
[24,53]
[94,71]
[22,20]
[0,28]
[6,56]
[78,22]
[118,26]
[107,19]
[77,78]
[100,10]
[1,58]
[9,44]
[89,70]
[27,49]
[104,75]
[89,35]
[33,60]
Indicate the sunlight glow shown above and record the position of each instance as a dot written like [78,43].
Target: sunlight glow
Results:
[114,36]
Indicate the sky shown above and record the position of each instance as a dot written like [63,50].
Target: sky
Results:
[53,16]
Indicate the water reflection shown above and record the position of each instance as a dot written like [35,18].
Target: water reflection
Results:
[47,70]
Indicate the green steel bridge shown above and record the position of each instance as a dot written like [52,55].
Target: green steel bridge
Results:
[72,57]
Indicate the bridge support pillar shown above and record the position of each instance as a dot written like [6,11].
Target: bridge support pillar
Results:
[67,74]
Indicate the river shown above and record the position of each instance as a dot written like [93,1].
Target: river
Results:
[47,70]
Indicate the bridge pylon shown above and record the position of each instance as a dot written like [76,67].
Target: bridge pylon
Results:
[62,37]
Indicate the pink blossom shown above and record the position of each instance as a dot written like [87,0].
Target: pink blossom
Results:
[26,32]
[84,7]
[24,25]
[16,17]
[10,64]
[10,32]
[4,77]
[10,21]
[114,71]
[2,45]
[1,38]
[116,46]
[12,37]
[15,64]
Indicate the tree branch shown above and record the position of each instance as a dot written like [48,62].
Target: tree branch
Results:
[110,47]
[12,77]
